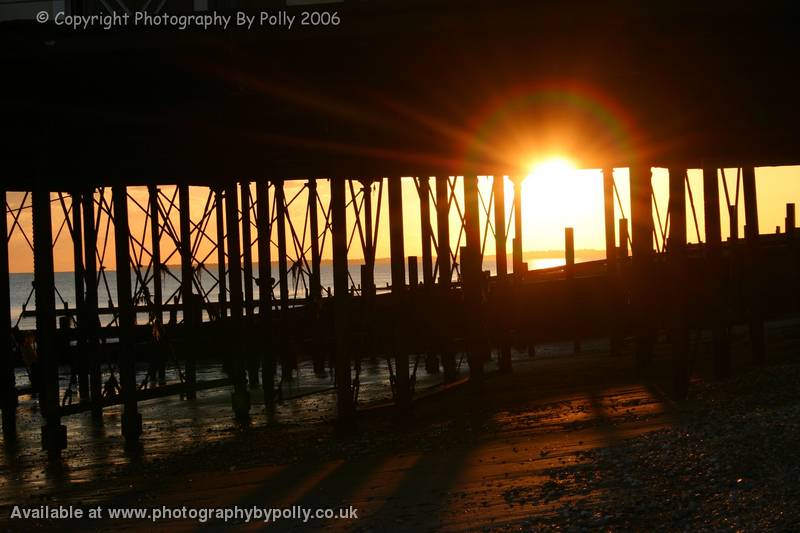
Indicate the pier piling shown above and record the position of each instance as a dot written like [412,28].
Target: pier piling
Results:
[426,236]
[131,418]
[623,239]
[247,271]
[569,274]
[715,276]
[443,260]
[268,363]
[80,305]
[641,189]
[219,210]
[240,397]
[54,434]
[397,250]
[190,312]
[676,255]
[92,325]
[501,261]
[517,242]
[756,320]
[472,282]
[157,312]
[344,393]
[611,259]
[283,278]
[8,387]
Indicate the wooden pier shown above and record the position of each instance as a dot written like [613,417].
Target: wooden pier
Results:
[478,314]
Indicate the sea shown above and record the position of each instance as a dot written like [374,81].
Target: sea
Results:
[23,298]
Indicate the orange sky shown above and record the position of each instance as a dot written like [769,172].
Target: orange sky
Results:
[550,203]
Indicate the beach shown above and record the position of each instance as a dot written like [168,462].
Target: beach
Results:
[569,441]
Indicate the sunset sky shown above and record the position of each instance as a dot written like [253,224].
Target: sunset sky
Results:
[554,196]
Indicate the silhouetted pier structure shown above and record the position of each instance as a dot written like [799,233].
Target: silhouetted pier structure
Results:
[265,133]
[455,308]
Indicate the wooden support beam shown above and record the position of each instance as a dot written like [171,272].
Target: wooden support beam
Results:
[344,394]
[263,226]
[750,204]
[756,320]
[413,272]
[240,397]
[711,211]
[569,270]
[790,221]
[396,241]
[54,434]
[641,189]
[426,232]
[608,218]
[219,208]
[157,313]
[716,283]
[676,256]
[733,222]
[313,229]
[131,419]
[247,268]
[368,274]
[234,255]
[396,244]
[92,325]
[191,312]
[247,250]
[8,387]
[519,267]
[155,245]
[676,243]
[80,304]
[612,271]
[569,252]
[472,228]
[443,328]
[623,238]
[443,231]
[501,258]
[367,271]
[287,364]
[315,283]
[471,262]
[281,214]
[501,262]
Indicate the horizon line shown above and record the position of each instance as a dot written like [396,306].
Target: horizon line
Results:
[537,253]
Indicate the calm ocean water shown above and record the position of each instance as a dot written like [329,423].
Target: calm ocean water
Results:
[21,284]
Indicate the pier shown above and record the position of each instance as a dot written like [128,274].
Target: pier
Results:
[261,335]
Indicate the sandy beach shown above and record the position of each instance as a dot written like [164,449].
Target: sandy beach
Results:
[577,442]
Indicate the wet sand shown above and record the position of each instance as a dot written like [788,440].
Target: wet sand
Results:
[553,445]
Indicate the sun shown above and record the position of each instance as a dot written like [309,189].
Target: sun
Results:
[557,194]
[553,168]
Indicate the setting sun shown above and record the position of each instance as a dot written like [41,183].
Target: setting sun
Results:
[553,168]
[557,194]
